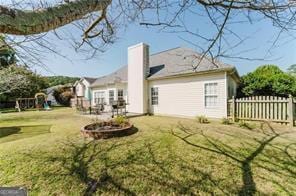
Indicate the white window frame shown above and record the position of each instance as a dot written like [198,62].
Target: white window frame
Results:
[113,97]
[211,94]
[120,97]
[99,97]
[154,97]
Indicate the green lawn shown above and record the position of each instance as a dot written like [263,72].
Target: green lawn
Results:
[44,151]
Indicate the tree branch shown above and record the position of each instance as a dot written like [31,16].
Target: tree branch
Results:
[18,22]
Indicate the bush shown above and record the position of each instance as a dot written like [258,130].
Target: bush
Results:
[63,95]
[202,119]
[120,120]
[225,121]
[268,80]
[246,125]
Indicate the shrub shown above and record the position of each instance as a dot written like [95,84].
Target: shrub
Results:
[120,120]
[202,119]
[268,80]
[225,121]
[63,95]
[246,125]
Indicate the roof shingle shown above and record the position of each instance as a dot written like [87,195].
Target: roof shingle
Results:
[176,61]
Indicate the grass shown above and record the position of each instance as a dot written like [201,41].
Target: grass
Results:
[11,110]
[13,133]
[166,156]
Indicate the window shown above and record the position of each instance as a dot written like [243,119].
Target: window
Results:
[154,96]
[120,94]
[111,96]
[211,94]
[99,97]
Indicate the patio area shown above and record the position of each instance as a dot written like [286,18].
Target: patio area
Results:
[104,116]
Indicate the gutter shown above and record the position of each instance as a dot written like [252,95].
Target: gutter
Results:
[195,73]
[106,84]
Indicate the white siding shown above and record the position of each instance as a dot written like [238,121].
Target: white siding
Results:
[137,83]
[86,92]
[80,88]
[184,96]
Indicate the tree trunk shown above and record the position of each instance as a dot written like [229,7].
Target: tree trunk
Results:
[18,22]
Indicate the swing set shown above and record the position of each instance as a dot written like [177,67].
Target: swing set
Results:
[39,102]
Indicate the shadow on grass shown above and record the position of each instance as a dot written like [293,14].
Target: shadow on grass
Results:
[78,164]
[146,166]
[221,148]
[8,134]
[103,170]
[5,131]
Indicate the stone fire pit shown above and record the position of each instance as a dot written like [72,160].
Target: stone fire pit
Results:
[105,130]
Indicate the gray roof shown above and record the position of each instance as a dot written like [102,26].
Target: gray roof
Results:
[119,75]
[49,90]
[179,61]
[90,80]
[176,61]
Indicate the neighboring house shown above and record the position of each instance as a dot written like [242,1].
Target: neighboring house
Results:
[49,92]
[165,83]
[81,87]
[82,92]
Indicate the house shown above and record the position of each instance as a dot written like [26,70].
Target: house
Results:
[49,92]
[50,98]
[173,82]
[82,92]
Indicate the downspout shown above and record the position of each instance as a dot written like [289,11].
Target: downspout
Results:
[226,94]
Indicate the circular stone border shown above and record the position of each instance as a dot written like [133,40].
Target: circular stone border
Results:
[107,133]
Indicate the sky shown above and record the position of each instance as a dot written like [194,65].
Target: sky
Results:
[261,36]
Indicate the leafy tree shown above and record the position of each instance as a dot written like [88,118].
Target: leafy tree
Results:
[63,95]
[7,54]
[292,69]
[60,80]
[18,81]
[268,80]
[11,80]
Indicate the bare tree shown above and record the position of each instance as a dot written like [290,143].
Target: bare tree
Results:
[100,20]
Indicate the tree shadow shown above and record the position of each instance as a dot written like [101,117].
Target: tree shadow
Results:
[137,165]
[97,166]
[129,132]
[245,161]
[6,131]
[82,158]
[8,134]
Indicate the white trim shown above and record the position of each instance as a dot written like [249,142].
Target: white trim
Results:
[107,84]
[226,93]
[204,94]
[137,45]
[151,96]
[108,92]
[191,74]
[98,91]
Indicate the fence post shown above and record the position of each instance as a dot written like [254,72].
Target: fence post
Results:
[291,110]
[233,108]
